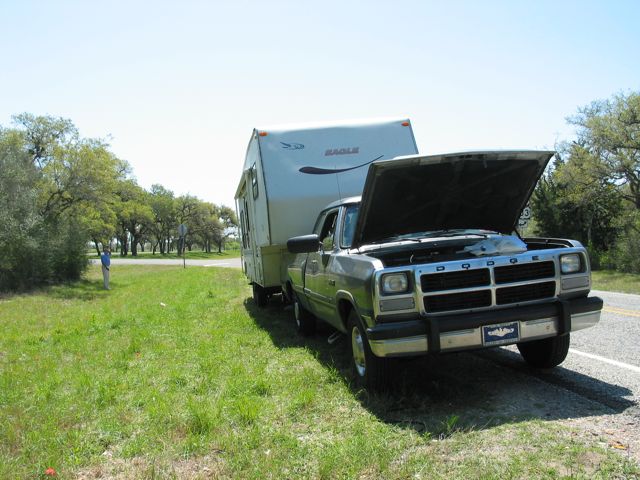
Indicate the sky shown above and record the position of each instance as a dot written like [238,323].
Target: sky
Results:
[177,87]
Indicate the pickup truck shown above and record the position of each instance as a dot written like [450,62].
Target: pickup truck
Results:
[429,260]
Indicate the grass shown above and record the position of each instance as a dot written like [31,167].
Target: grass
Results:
[193,255]
[174,374]
[613,281]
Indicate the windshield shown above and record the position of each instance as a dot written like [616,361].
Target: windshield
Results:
[349,227]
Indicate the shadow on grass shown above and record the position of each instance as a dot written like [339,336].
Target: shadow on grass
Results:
[84,289]
[440,394]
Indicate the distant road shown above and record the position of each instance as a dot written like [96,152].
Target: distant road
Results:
[229,262]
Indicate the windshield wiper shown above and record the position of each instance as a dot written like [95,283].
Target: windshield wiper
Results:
[454,232]
[395,238]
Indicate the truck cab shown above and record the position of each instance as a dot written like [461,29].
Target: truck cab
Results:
[429,260]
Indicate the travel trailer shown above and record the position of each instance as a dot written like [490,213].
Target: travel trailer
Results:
[291,173]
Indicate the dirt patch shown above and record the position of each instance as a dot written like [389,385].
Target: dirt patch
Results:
[197,468]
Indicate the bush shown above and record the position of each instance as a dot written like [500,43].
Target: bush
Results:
[34,250]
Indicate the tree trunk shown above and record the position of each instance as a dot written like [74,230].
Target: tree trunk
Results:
[95,242]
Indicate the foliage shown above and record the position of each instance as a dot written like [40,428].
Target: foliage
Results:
[38,245]
[59,190]
[592,192]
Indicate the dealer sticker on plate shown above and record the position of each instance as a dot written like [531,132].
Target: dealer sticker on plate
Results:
[501,334]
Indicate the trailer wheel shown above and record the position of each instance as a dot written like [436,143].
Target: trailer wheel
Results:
[260,296]
[305,321]
[545,353]
[370,371]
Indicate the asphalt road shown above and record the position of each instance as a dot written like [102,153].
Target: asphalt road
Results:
[229,262]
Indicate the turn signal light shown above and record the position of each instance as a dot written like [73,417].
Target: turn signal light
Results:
[263,134]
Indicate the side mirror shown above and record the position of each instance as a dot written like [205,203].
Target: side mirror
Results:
[303,244]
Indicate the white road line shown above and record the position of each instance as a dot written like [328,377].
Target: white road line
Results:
[633,368]
[216,264]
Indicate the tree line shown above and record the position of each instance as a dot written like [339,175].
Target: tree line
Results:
[59,191]
[591,191]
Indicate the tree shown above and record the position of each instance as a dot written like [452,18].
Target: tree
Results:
[134,214]
[567,204]
[609,133]
[186,212]
[165,221]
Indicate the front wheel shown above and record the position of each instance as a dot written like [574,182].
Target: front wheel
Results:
[545,353]
[370,371]
[305,321]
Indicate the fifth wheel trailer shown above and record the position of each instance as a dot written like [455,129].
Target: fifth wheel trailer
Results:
[291,172]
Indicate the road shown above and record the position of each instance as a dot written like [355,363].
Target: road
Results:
[228,262]
[601,373]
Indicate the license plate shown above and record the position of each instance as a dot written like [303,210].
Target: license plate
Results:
[500,334]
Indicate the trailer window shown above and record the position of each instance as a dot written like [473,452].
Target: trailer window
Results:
[245,217]
[254,181]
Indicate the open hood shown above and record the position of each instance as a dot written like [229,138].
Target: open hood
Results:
[475,190]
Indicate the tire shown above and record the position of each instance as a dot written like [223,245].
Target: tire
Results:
[370,371]
[305,321]
[545,353]
[260,296]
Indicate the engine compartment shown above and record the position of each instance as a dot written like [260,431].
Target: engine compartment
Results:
[447,250]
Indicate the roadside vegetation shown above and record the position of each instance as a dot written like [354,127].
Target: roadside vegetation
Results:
[60,191]
[591,192]
[174,373]
[613,281]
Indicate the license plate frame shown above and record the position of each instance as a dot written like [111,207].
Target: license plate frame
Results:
[500,334]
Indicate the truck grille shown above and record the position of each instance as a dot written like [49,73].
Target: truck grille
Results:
[474,288]
[525,293]
[457,301]
[525,271]
[455,280]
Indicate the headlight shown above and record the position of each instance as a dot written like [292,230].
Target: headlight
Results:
[395,283]
[570,263]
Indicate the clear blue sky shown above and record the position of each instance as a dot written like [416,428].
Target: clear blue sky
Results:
[180,85]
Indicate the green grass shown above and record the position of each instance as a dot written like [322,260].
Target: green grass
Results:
[193,255]
[613,281]
[174,373]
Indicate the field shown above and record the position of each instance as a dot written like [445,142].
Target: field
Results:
[174,374]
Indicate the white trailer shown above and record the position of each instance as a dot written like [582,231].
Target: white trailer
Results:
[291,172]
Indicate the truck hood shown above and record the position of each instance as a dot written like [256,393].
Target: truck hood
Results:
[474,190]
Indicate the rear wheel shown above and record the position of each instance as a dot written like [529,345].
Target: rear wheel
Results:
[370,371]
[545,353]
[305,321]
[260,296]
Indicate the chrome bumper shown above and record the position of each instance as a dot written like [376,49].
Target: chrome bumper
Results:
[396,344]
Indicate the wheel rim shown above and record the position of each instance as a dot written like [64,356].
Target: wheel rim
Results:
[357,347]
[296,312]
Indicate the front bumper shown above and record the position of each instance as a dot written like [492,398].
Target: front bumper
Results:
[460,332]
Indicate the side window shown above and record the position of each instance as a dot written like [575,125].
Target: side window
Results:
[319,224]
[254,181]
[350,219]
[328,229]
